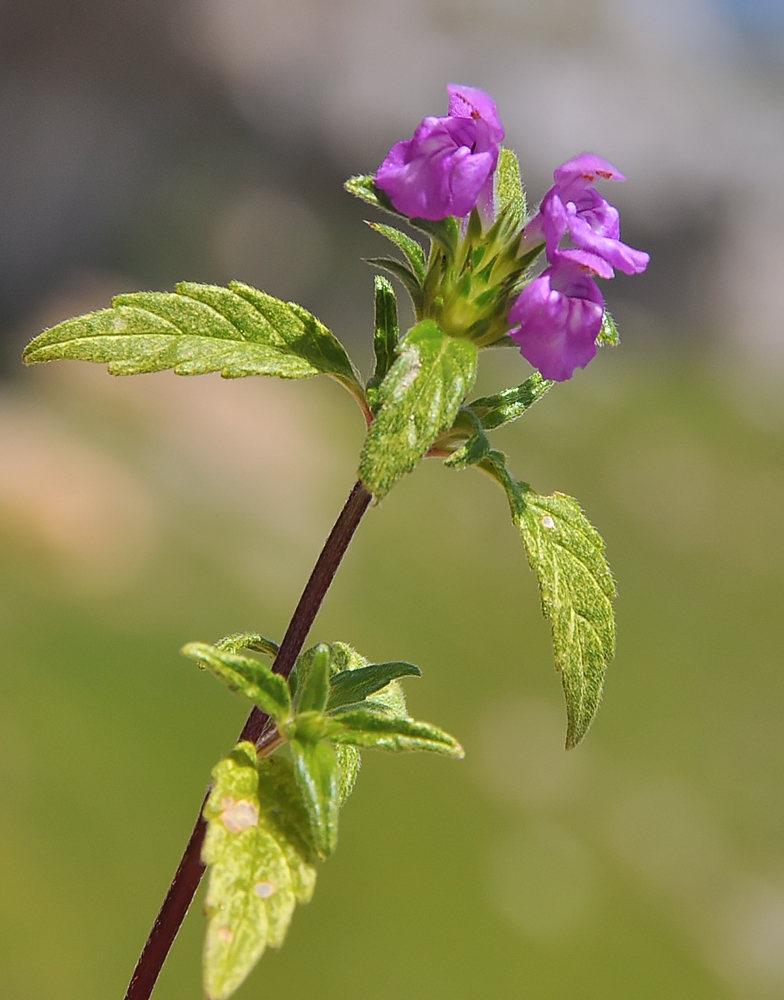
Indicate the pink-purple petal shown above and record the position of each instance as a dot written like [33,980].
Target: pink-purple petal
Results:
[556,319]
[446,167]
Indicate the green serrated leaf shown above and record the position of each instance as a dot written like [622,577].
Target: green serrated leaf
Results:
[355,685]
[509,194]
[313,687]
[238,641]
[364,727]
[386,330]
[256,872]
[567,555]
[237,331]
[246,676]
[503,407]
[318,775]
[414,253]
[608,334]
[404,274]
[420,398]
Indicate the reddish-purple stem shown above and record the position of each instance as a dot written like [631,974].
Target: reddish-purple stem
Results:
[189,873]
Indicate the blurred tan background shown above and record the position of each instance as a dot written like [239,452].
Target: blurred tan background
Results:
[144,143]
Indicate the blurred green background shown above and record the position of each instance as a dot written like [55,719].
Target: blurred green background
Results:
[647,862]
[146,142]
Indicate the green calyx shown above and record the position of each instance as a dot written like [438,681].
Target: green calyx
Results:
[469,292]
[470,278]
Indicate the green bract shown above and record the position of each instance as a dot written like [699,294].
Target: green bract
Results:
[417,401]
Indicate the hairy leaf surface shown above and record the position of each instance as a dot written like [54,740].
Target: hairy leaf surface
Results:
[386,332]
[238,641]
[364,727]
[356,685]
[313,689]
[236,331]
[567,555]
[246,676]
[503,407]
[257,872]
[509,194]
[419,399]
[608,334]
[413,252]
[317,772]
[404,274]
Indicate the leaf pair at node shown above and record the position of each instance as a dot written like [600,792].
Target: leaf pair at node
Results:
[270,819]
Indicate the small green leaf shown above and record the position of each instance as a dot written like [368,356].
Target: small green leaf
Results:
[237,331]
[567,555]
[445,232]
[364,186]
[257,872]
[404,274]
[355,685]
[608,335]
[319,778]
[420,398]
[238,641]
[414,253]
[313,688]
[509,194]
[364,727]
[386,330]
[246,676]
[343,657]
[473,451]
[502,407]
[349,760]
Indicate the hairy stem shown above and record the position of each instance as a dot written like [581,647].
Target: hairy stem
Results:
[190,870]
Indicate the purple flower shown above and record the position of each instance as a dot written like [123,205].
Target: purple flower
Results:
[574,205]
[557,317]
[447,167]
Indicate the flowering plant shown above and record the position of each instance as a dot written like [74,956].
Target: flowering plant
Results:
[271,813]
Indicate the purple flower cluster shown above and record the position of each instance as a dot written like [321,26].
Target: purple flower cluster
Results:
[447,167]
[557,317]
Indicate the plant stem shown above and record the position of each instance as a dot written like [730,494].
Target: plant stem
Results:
[190,870]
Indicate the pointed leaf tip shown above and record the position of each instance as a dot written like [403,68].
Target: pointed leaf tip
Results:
[260,864]
[352,686]
[237,331]
[363,727]
[246,676]
[576,586]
